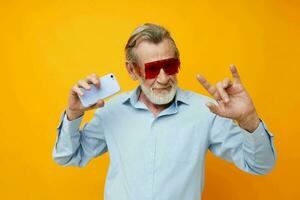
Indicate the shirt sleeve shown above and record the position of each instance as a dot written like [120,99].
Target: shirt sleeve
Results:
[75,146]
[251,152]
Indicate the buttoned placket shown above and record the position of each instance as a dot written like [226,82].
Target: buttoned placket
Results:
[152,144]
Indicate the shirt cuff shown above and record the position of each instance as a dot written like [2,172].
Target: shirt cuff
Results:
[70,126]
[260,133]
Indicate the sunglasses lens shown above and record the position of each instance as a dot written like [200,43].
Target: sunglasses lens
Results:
[151,70]
[170,66]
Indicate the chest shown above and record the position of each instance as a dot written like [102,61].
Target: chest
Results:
[139,135]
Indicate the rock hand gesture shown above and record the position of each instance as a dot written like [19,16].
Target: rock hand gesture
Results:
[233,101]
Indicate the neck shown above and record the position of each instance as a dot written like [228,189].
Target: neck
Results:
[154,108]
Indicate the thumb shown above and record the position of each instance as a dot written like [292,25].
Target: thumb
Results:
[98,104]
[213,108]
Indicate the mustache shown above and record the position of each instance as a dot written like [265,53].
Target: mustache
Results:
[162,87]
[171,84]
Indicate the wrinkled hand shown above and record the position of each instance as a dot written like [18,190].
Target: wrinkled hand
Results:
[233,100]
[74,108]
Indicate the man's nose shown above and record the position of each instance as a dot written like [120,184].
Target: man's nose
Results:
[162,77]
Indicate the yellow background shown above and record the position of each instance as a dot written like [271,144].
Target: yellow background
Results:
[46,46]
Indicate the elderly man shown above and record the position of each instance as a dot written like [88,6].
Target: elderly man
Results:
[158,135]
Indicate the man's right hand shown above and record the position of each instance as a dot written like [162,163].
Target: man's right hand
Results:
[75,109]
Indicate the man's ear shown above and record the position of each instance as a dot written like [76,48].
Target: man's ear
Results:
[131,71]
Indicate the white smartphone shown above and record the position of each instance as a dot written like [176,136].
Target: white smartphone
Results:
[108,87]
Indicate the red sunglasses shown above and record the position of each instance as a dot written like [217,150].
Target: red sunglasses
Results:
[170,66]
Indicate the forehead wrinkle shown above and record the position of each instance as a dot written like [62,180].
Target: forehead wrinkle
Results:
[150,51]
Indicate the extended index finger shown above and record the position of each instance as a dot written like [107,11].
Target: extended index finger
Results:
[94,80]
[205,84]
[234,72]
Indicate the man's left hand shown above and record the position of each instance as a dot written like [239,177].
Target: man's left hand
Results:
[233,100]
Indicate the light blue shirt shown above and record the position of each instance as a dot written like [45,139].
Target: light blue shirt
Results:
[163,157]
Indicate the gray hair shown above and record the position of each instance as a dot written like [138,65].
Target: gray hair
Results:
[147,32]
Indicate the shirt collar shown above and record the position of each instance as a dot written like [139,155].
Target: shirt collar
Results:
[132,97]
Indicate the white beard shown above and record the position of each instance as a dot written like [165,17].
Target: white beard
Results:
[162,98]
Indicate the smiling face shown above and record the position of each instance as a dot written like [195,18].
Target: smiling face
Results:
[159,90]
